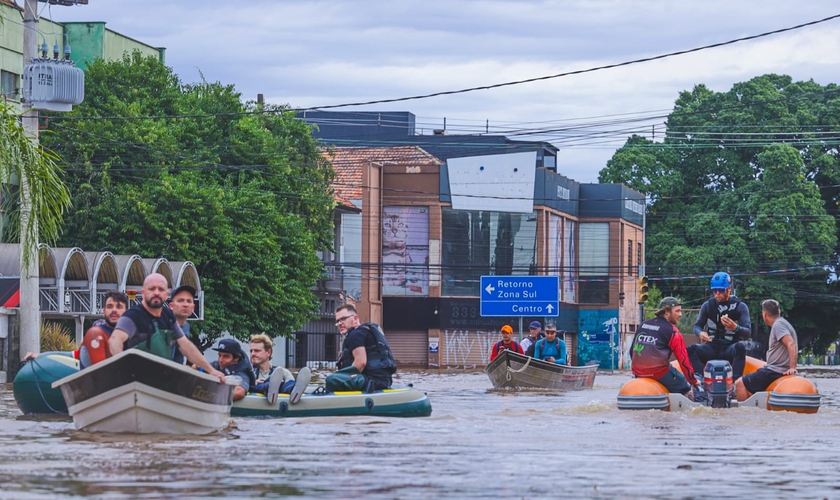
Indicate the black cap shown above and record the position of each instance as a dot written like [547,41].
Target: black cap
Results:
[230,346]
[182,288]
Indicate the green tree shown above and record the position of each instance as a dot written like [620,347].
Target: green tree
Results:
[189,172]
[745,181]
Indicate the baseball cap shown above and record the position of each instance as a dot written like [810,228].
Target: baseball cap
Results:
[668,302]
[230,346]
[507,329]
[182,288]
[536,324]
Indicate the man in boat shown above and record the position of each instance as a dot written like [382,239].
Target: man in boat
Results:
[153,328]
[94,347]
[182,303]
[723,322]
[233,363]
[272,379]
[781,355]
[653,344]
[533,336]
[507,342]
[551,348]
[366,363]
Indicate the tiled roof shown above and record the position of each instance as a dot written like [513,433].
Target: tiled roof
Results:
[348,162]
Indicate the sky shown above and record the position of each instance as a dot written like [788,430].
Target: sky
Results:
[309,54]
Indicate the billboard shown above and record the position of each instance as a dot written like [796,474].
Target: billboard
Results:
[405,250]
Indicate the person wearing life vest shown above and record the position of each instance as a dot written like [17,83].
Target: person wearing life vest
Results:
[507,342]
[153,328]
[551,348]
[724,321]
[653,344]
[366,363]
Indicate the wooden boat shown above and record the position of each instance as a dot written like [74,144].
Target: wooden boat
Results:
[32,386]
[511,369]
[137,392]
[787,393]
[394,402]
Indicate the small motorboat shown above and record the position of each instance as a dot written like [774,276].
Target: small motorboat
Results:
[787,393]
[32,386]
[511,369]
[394,402]
[140,393]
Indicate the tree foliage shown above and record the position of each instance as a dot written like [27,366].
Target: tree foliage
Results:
[189,172]
[746,181]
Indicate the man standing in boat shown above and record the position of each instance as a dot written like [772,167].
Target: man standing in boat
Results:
[653,345]
[534,335]
[781,355]
[507,342]
[366,363]
[724,321]
[182,303]
[151,327]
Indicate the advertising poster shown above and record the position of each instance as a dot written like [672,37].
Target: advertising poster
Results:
[405,251]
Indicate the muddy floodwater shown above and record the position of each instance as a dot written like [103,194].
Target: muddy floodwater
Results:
[478,443]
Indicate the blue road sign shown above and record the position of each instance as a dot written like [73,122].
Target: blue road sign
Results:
[520,295]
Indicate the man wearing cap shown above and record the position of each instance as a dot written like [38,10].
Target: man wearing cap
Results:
[533,336]
[507,342]
[182,304]
[153,328]
[653,344]
[233,363]
[551,348]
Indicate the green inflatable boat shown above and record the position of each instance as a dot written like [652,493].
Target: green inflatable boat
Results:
[32,386]
[394,402]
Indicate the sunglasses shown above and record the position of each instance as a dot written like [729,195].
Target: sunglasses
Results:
[550,331]
[718,290]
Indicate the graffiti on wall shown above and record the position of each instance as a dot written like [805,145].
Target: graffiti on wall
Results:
[598,337]
[467,348]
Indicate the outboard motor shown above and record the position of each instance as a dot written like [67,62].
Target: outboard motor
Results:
[717,382]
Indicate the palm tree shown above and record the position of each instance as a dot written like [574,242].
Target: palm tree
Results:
[49,197]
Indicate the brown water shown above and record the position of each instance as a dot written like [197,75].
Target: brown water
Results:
[478,443]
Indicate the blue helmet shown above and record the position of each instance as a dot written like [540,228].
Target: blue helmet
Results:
[720,280]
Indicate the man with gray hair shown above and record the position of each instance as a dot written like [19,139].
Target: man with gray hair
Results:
[781,355]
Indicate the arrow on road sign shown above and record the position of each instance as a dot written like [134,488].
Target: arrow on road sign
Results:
[490,289]
[549,308]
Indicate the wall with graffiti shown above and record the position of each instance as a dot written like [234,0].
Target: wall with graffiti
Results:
[466,348]
[598,337]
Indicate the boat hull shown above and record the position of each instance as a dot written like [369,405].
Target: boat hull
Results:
[32,386]
[395,402]
[139,393]
[513,370]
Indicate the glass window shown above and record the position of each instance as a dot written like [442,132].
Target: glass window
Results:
[9,84]
[594,261]
[477,243]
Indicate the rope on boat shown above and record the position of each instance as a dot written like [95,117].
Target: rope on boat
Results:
[511,370]
[38,366]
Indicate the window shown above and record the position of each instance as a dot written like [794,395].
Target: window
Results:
[9,84]
[594,258]
[477,243]
[629,257]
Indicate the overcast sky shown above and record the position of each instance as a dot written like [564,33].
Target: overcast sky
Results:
[309,54]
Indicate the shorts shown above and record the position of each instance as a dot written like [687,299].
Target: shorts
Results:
[760,379]
[675,382]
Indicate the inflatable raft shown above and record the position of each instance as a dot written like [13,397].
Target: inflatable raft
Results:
[394,402]
[788,393]
[32,386]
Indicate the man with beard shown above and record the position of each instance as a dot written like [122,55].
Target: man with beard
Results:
[153,328]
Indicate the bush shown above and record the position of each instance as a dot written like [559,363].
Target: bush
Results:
[56,337]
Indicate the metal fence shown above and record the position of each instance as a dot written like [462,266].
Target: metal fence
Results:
[313,349]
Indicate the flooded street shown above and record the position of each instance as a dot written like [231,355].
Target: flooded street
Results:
[478,443]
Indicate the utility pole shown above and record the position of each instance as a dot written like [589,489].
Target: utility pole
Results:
[30,309]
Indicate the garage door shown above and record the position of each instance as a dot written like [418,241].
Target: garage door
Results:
[410,349]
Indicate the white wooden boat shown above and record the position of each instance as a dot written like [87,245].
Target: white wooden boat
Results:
[137,392]
[511,369]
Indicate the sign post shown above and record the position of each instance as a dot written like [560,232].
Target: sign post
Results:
[507,296]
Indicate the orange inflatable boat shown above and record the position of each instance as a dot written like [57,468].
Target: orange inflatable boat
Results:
[788,393]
